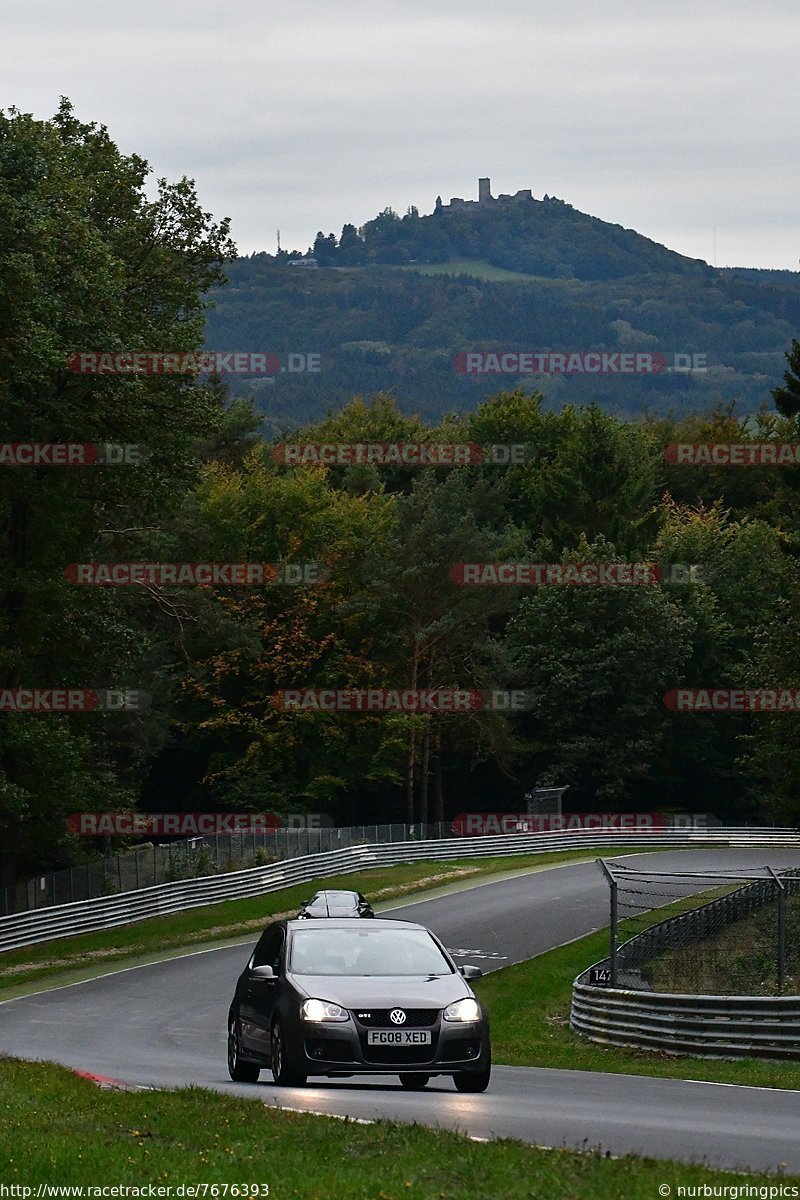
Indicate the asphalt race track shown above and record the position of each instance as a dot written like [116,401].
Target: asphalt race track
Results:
[163,1025]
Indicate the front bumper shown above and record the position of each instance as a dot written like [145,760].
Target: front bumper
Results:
[331,1048]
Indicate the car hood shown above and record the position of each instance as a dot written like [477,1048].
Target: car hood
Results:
[385,991]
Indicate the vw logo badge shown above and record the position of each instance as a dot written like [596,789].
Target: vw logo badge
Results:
[397,1016]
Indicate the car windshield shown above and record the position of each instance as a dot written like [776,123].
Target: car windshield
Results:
[366,952]
[337,898]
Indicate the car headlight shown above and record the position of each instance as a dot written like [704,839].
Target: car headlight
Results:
[463,1010]
[323,1010]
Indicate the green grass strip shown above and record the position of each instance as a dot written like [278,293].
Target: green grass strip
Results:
[58,1129]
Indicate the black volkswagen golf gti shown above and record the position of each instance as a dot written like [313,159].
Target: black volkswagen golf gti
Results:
[343,998]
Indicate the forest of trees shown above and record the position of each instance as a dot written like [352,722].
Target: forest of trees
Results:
[382,327]
[88,262]
[546,238]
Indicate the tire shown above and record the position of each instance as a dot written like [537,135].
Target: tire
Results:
[414,1083]
[472,1081]
[282,1070]
[239,1071]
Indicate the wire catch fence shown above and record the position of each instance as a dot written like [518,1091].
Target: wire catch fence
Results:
[725,933]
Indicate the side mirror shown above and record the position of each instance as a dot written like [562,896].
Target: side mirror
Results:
[471,972]
[262,974]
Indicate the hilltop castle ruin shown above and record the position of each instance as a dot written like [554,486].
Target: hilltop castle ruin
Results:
[485,197]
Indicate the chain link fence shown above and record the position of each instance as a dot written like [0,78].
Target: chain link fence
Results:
[151,864]
[732,933]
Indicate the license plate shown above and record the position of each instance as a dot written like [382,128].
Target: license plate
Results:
[398,1037]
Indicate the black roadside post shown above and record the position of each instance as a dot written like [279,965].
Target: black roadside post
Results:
[612,933]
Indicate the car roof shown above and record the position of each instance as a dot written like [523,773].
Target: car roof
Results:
[347,923]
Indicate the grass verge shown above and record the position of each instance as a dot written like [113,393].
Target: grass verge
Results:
[211,925]
[61,1130]
[529,1007]
[741,958]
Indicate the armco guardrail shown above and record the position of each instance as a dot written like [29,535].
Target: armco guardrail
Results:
[88,916]
[706,1026]
[149,864]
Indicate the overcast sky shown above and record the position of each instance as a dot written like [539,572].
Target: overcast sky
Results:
[674,119]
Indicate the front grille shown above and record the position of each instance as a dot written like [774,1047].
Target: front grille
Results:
[378,1018]
[399,1056]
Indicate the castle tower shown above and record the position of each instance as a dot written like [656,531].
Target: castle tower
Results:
[484,191]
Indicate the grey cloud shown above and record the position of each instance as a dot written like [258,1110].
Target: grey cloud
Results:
[670,119]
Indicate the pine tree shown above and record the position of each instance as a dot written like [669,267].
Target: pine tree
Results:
[787,398]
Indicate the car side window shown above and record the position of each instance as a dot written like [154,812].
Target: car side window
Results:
[269,950]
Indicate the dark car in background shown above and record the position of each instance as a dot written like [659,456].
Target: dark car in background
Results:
[342,998]
[335,904]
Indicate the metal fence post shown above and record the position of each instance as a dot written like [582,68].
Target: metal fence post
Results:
[612,932]
[781,930]
[782,938]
